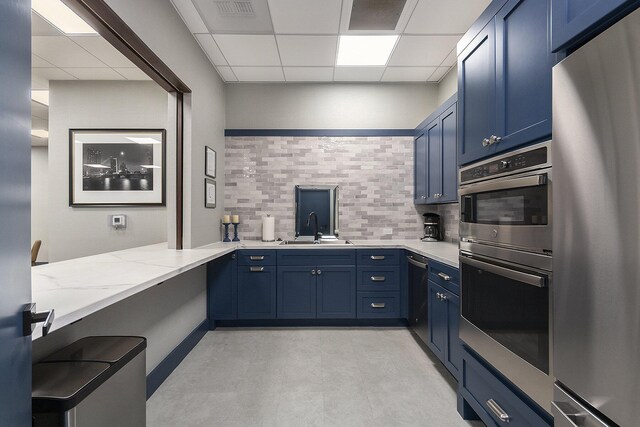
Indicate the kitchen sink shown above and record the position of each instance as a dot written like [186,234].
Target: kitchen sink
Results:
[321,242]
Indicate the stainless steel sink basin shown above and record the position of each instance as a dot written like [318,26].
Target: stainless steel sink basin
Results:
[321,242]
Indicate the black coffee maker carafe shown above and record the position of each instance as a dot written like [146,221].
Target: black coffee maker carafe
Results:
[432,228]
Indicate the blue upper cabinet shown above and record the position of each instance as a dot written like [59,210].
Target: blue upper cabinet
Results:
[504,81]
[575,21]
[449,125]
[420,168]
[434,161]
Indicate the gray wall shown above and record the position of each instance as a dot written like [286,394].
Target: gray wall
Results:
[167,35]
[40,199]
[329,106]
[76,232]
[448,85]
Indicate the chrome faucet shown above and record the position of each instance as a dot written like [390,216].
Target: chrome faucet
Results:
[316,233]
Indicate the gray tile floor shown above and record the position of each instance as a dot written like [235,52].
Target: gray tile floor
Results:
[307,377]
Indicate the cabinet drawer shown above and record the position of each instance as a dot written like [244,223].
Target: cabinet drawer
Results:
[445,276]
[378,305]
[256,257]
[378,257]
[316,257]
[490,396]
[379,278]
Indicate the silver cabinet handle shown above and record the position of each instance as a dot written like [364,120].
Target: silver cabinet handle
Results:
[416,263]
[439,295]
[378,278]
[444,277]
[313,272]
[493,139]
[257,258]
[485,142]
[378,305]
[319,271]
[377,257]
[444,297]
[498,411]
[256,269]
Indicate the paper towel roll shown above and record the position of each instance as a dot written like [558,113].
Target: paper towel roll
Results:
[268,229]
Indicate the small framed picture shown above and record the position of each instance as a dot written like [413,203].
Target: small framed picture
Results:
[210,162]
[209,193]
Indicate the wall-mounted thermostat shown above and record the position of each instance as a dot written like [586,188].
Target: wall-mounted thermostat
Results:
[119,221]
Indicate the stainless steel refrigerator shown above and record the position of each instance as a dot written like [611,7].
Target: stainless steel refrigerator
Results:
[596,244]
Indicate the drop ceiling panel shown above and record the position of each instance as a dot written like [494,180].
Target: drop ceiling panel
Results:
[305,16]
[422,50]
[38,123]
[42,27]
[438,74]
[40,77]
[39,111]
[227,74]
[307,50]
[444,17]
[190,16]
[259,74]
[211,49]
[407,74]
[37,62]
[103,50]
[132,73]
[450,60]
[308,74]
[94,73]
[358,74]
[248,50]
[62,52]
[235,16]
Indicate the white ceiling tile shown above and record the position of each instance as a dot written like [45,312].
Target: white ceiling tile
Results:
[445,17]
[246,49]
[259,74]
[438,74]
[39,111]
[94,73]
[103,50]
[211,49]
[227,74]
[62,52]
[39,123]
[40,77]
[42,27]
[132,73]
[358,74]
[307,50]
[407,74]
[451,59]
[39,142]
[308,74]
[190,16]
[37,62]
[422,50]
[305,16]
[224,17]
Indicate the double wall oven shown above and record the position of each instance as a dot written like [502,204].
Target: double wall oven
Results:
[505,266]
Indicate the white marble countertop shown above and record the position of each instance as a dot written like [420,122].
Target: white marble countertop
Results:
[79,287]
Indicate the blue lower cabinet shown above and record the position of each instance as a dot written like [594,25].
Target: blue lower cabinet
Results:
[336,292]
[491,396]
[256,292]
[222,284]
[437,321]
[453,355]
[378,305]
[297,292]
[444,326]
[382,278]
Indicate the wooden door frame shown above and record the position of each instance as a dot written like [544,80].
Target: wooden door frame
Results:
[110,26]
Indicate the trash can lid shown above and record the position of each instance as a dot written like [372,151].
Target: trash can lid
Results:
[61,386]
[111,349]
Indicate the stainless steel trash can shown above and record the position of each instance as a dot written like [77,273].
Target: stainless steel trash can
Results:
[96,382]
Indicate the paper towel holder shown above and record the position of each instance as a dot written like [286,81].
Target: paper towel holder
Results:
[268,229]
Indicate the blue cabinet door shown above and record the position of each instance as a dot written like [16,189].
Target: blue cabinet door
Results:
[449,125]
[336,292]
[453,348]
[420,169]
[437,336]
[256,292]
[523,73]
[222,283]
[477,95]
[434,161]
[297,292]
[576,20]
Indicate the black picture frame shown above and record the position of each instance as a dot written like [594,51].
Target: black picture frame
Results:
[208,185]
[208,152]
[77,192]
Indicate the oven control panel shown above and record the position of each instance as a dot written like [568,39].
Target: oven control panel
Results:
[510,163]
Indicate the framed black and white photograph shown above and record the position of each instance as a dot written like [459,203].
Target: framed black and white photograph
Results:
[209,193]
[210,159]
[117,167]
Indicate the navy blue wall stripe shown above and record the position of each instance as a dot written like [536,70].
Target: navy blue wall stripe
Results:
[171,362]
[318,132]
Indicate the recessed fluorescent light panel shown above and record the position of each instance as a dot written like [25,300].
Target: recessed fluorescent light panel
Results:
[144,140]
[39,133]
[40,96]
[365,50]
[61,16]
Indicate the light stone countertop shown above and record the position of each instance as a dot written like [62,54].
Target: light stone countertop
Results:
[79,287]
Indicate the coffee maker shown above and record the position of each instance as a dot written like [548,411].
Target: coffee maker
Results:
[432,228]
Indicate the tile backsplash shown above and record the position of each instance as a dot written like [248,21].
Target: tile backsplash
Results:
[374,175]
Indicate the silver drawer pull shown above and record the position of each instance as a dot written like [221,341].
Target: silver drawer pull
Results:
[378,305]
[256,269]
[257,258]
[498,411]
[378,278]
[444,277]
[377,257]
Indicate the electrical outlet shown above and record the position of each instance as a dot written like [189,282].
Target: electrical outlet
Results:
[387,231]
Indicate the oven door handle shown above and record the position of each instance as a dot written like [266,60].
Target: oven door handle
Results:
[504,184]
[416,263]
[529,279]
